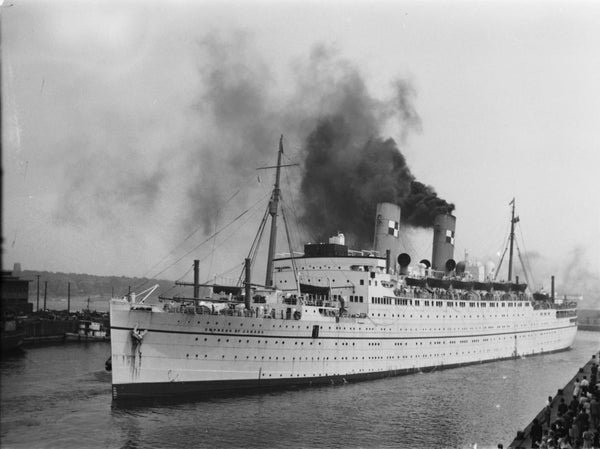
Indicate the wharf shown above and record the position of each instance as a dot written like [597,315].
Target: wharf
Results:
[48,327]
[523,439]
[33,341]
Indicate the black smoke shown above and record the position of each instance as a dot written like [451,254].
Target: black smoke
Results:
[349,167]
[344,180]
[231,127]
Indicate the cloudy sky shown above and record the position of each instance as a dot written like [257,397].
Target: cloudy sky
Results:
[132,131]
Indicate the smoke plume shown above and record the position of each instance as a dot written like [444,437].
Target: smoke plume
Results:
[243,127]
[349,167]
[212,146]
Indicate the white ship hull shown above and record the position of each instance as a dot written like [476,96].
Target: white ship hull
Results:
[334,315]
[176,353]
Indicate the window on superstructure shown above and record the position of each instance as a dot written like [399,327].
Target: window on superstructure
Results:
[361,299]
[362,282]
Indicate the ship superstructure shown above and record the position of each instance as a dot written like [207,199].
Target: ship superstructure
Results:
[333,315]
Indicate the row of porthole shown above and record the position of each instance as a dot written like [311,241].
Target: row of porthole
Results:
[312,359]
[450,316]
[369,344]
[407,329]
[357,358]
[343,358]
[242,331]
[339,327]
[293,358]
[253,325]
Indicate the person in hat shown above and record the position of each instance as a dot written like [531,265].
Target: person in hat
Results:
[536,433]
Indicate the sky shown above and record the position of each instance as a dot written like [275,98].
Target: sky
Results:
[132,131]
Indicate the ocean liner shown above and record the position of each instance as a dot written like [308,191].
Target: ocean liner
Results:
[332,315]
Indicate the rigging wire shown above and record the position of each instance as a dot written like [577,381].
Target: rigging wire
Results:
[522,264]
[226,238]
[204,241]
[219,245]
[186,273]
[229,270]
[297,232]
[214,243]
[187,238]
[294,200]
[501,259]
[505,245]
[293,258]
[215,234]
[255,244]
[526,256]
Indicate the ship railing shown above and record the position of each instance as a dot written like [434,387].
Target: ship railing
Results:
[553,306]
[254,312]
[325,310]
[564,313]
[457,295]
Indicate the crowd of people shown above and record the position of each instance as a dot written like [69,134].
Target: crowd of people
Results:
[571,422]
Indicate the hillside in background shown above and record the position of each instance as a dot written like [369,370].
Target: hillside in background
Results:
[87,284]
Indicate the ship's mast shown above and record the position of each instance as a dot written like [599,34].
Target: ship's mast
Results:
[273,209]
[513,220]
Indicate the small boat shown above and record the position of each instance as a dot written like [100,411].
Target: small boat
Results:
[12,333]
[88,330]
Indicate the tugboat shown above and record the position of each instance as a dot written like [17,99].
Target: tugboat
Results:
[14,293]
[88,331]
[12,332]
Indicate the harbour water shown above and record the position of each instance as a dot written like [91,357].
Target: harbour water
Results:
[59,397]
